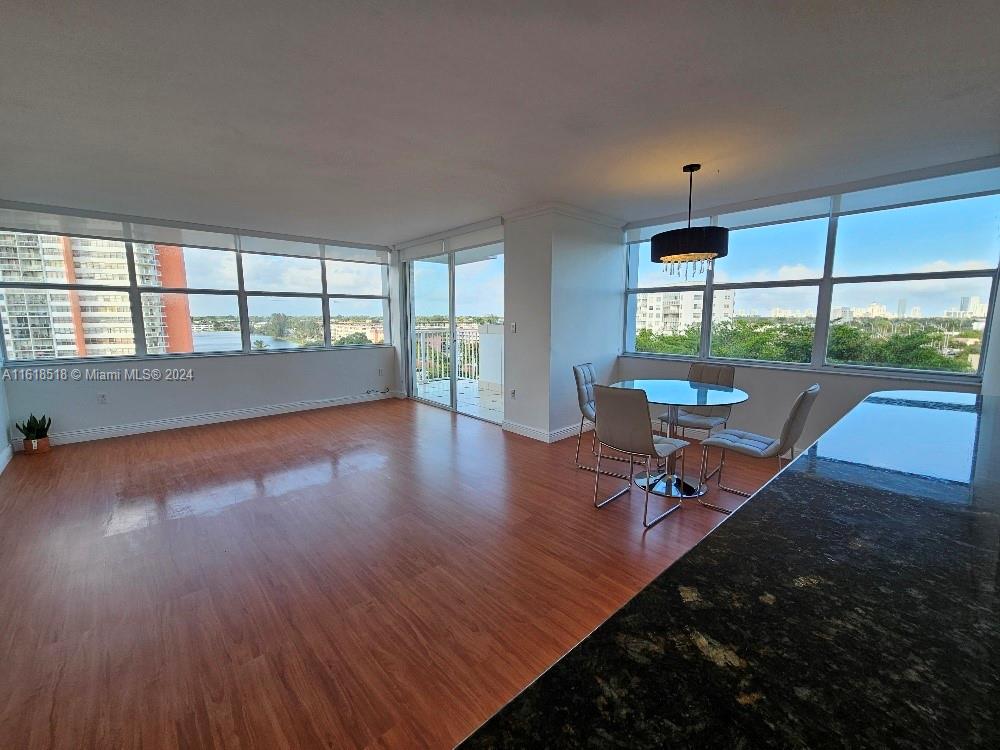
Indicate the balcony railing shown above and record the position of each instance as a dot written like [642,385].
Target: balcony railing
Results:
[432,353]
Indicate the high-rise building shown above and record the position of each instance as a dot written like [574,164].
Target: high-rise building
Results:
[674,312]
[874,310]
[968,307]
[46,324]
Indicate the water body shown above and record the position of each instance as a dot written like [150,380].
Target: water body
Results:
[230,341]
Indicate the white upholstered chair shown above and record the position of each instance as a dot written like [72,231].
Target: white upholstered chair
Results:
[705,418]
[759,446]
[585,380]
[623,425]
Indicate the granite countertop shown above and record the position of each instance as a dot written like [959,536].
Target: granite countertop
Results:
[851,603]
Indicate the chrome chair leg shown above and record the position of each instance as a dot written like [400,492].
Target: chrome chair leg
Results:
[597,478]
[722,465]
[579,441]
[705,473]
[703,477]
[645,508]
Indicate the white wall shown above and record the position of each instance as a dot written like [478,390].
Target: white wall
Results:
[491,354]
[588,275]
[772,392]
[563,292]
[527,296]
[224,387]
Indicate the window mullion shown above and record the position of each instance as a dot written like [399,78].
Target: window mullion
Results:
[821,334]
[4,358]
[134,298]
[708,297]
[241,296]
[327,338]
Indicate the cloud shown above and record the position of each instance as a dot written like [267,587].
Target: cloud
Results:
[782,273]
[353,278]
[947,265]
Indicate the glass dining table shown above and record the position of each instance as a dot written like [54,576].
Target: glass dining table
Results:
[675,394]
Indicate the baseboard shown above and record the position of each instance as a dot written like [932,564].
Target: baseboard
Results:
[195,420]
[570,431]
[541,435]
[529,432]
[5,456]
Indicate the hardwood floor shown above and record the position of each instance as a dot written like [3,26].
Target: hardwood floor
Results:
[377,575]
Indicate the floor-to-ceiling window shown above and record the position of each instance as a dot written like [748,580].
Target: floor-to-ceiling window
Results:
[430,293]
[457,330]
[479,332]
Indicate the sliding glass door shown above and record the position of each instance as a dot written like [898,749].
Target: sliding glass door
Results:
[457,330]
[433,332]
[479,332]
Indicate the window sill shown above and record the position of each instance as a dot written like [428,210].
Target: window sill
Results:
[922,376]
[87,361]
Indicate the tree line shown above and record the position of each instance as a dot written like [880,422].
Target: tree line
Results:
[925,346]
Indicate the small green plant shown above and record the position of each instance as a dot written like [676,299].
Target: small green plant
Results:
[34,428]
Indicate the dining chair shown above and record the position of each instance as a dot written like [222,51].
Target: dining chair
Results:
[759,446]
[585,378]
[623,425]
[703,417]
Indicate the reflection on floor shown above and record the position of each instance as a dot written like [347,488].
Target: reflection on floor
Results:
[376,575]
[474,398]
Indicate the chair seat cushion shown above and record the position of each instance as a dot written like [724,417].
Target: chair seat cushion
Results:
[666,446]
[747,443]
[589,412]
[693,420]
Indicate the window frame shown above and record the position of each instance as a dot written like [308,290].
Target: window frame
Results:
[825,284]
[134,292]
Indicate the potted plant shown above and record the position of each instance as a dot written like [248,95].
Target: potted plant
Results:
[36,434]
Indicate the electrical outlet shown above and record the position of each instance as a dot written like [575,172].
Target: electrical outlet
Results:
[380,371]
[102,398]
[513,326]
[513,393]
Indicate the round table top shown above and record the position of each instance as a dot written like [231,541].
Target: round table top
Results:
[685,392]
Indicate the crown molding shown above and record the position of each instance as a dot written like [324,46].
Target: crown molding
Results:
[464,229]
[565,209]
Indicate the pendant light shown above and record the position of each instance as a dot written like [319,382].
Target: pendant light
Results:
[691,249]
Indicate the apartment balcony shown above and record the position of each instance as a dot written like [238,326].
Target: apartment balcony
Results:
[479,369]
[473,397]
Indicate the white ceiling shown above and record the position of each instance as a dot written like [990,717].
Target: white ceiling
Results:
[381,122]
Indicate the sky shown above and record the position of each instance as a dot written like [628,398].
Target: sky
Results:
[960,234]
[953,235]
[216,269]
[478,287]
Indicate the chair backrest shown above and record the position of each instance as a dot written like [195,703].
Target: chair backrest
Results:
[701,372]
[623,420]
[585,379]
[796,421]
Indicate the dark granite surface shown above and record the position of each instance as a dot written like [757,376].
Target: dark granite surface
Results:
[851,603]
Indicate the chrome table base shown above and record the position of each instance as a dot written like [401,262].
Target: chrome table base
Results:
[665,484]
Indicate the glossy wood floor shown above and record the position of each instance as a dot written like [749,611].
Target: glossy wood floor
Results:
[378,575]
